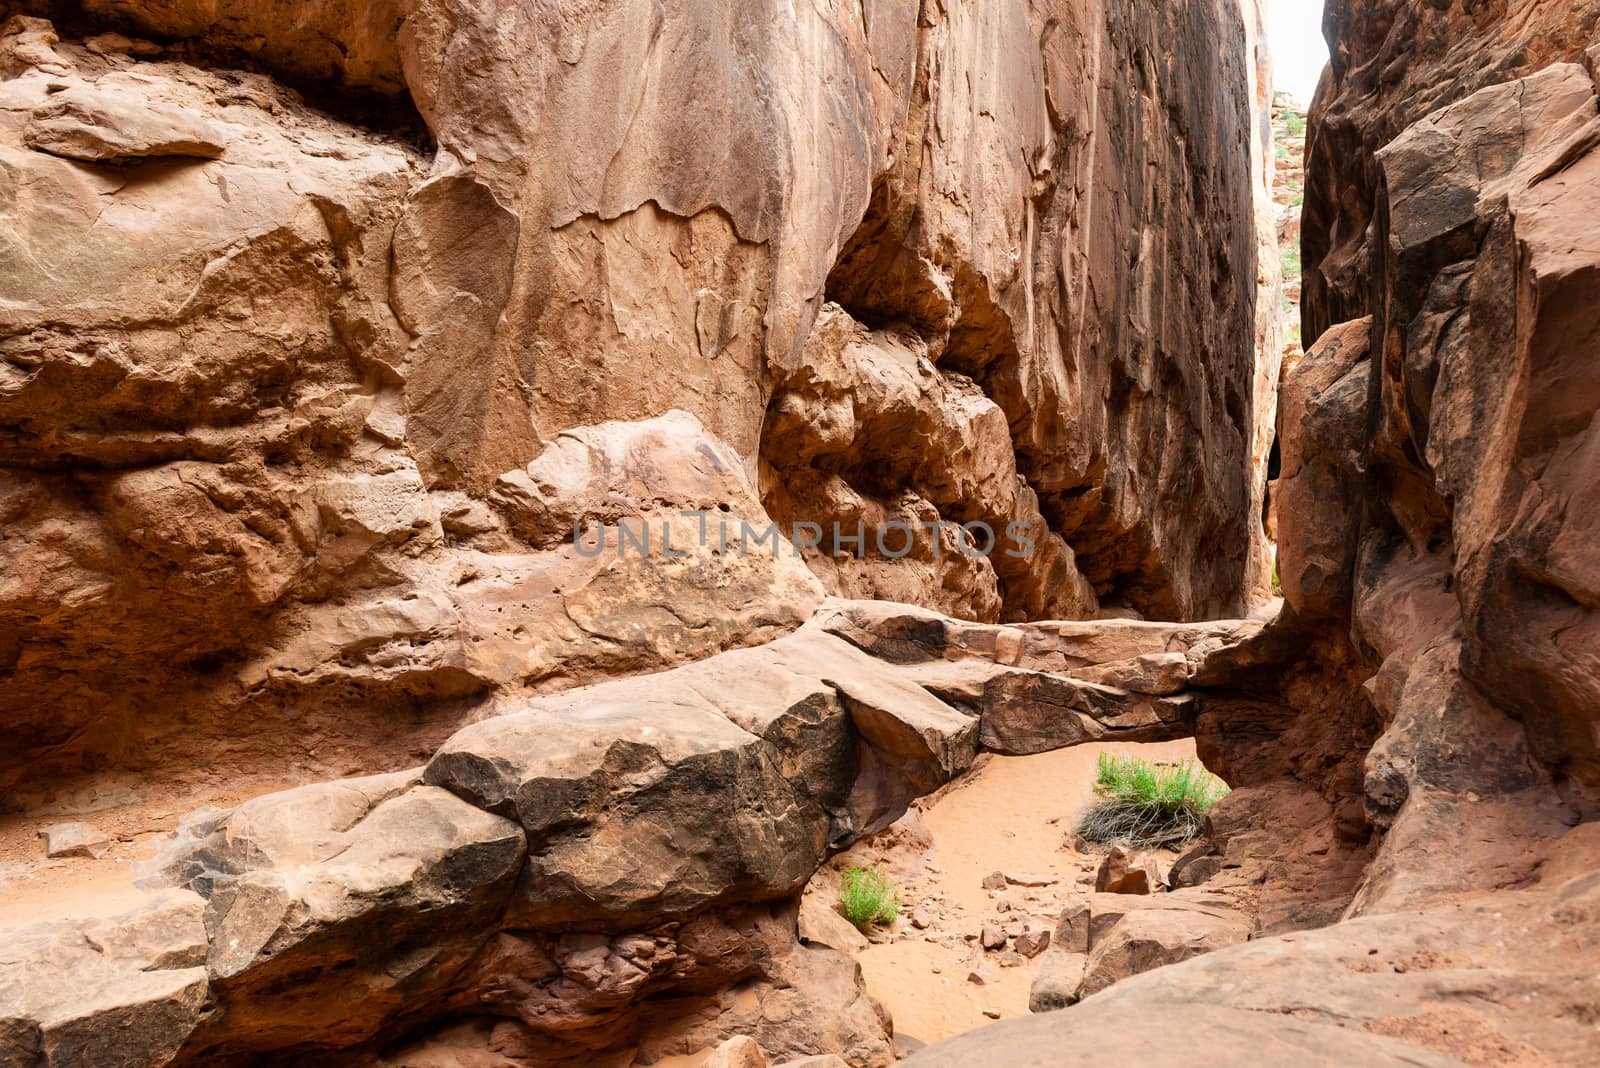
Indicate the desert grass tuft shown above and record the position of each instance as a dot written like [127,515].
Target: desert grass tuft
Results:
[867,896]
[1148,806]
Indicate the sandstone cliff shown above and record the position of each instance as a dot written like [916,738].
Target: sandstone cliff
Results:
[326,325]
[1429,690]
[339,339]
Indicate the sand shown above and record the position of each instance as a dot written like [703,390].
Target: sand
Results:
[1014,814]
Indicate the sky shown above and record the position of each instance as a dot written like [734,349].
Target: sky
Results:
[1294,33]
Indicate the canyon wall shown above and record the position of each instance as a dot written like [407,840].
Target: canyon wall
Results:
[1417,730]
[329,325]
[1438,439]
[347,349]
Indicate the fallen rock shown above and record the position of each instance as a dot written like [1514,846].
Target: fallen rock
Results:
[392,885]
[75,840]
[66,984]
[1125,872]
[737,1052]
[821,923]
[1058,980]
[992,938]
[994,881]
[1032,943]
[1026,879]
[1149,938]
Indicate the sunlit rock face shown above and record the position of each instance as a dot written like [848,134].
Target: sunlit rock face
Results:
[305,301]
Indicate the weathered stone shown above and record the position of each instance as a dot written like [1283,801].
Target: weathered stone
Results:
[740,1051]
[75,840]
[67,984]
[97,123]
[1022,878]
[1232,1035]
[391,885]
[821,923]
[1032,943]
[1149,938]
[1124,872]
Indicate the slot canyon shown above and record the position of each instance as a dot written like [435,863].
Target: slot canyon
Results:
[510,508]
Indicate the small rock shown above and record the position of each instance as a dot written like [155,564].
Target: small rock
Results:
[75,840]
[994,881]
[740,1051]
[993,1014]
[992,937]
[921,920]
[821,924]
[975,977]
[1029,879]
[1033,943]
[1010,960]
[1123,872]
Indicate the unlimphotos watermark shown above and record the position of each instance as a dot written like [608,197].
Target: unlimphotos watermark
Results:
[893,539]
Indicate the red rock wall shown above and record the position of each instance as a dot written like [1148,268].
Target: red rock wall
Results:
[1436,506]
[299,402]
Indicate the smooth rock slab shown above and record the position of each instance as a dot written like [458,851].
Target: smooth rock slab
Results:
[94,124]
[75,840]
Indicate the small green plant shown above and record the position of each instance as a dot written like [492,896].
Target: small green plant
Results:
[1149,806]
[866,897]
[1290,260]
[1295,123]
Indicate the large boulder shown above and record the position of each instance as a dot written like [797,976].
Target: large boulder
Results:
[66,985]
[389,884]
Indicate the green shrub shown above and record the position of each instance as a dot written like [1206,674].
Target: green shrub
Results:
[1295,123]
[1148,806]
[866,897]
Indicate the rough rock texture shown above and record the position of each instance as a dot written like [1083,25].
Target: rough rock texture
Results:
[613,864]
[67,985]
[1426,697]
[1103,938]
[297,402]
[1392,64]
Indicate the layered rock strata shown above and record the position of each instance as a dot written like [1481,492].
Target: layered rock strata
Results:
[303,389]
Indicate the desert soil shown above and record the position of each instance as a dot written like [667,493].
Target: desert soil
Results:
[1012,815]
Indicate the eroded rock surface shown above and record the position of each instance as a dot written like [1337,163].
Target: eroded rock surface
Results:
[298,401]
[567,870]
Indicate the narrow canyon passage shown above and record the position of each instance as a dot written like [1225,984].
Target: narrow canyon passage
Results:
[506,508]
